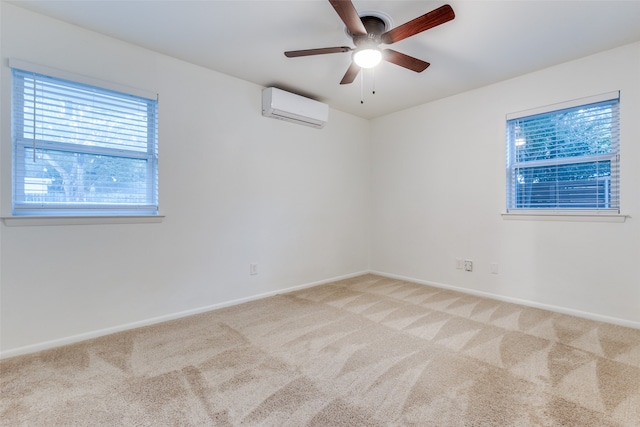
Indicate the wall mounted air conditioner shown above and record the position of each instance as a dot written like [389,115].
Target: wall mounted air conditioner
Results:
[282,105]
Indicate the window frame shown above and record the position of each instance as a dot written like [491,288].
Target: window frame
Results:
[564,213]
[23,213]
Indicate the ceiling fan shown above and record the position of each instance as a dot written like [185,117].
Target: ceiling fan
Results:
[367,32]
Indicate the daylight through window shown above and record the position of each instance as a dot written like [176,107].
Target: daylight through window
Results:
[565,159]
[82,150]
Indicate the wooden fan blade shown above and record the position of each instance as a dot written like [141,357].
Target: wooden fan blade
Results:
[406,61]
[349,15]
[320,51]
[422,23]
[351,74]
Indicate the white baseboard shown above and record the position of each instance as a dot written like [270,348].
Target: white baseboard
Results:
[557,309]
[107,331]
[46,345]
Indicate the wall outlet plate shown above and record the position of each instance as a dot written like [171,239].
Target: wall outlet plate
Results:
[494,268]
[468,265]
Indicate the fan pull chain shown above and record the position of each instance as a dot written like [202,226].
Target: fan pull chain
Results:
[362,88]
[373,78]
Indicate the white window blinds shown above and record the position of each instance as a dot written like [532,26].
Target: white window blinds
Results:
[81,149]
[565,159]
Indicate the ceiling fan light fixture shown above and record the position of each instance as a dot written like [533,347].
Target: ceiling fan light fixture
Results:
[367,58]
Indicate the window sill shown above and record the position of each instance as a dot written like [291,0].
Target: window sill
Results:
[565,216]
[19,221]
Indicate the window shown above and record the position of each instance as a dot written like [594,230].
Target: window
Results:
[565,158]
[82,150]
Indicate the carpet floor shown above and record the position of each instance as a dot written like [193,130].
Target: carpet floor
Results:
[366,351]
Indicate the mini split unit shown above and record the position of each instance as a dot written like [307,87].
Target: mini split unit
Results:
[282,105]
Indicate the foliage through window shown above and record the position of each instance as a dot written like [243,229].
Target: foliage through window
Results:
[565,159]
[81,150]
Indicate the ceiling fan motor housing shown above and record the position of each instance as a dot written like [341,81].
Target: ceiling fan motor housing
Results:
[375,28]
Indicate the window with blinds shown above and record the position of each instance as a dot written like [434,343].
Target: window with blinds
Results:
[565,158]
[81,149]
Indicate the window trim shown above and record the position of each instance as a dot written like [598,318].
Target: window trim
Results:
[79,78]
[607,96]
[101,214]
[562,214]
[565,215]
[33,220]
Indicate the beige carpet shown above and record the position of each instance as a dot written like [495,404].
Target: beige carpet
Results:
[365,351]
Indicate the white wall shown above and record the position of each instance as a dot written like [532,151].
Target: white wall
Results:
[438,171]
[236,188]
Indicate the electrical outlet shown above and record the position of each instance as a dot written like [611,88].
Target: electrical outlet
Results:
[494,268]
[253,269]
[459,264]
[468,265]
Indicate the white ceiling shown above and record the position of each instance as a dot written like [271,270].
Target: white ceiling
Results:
[488,41]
